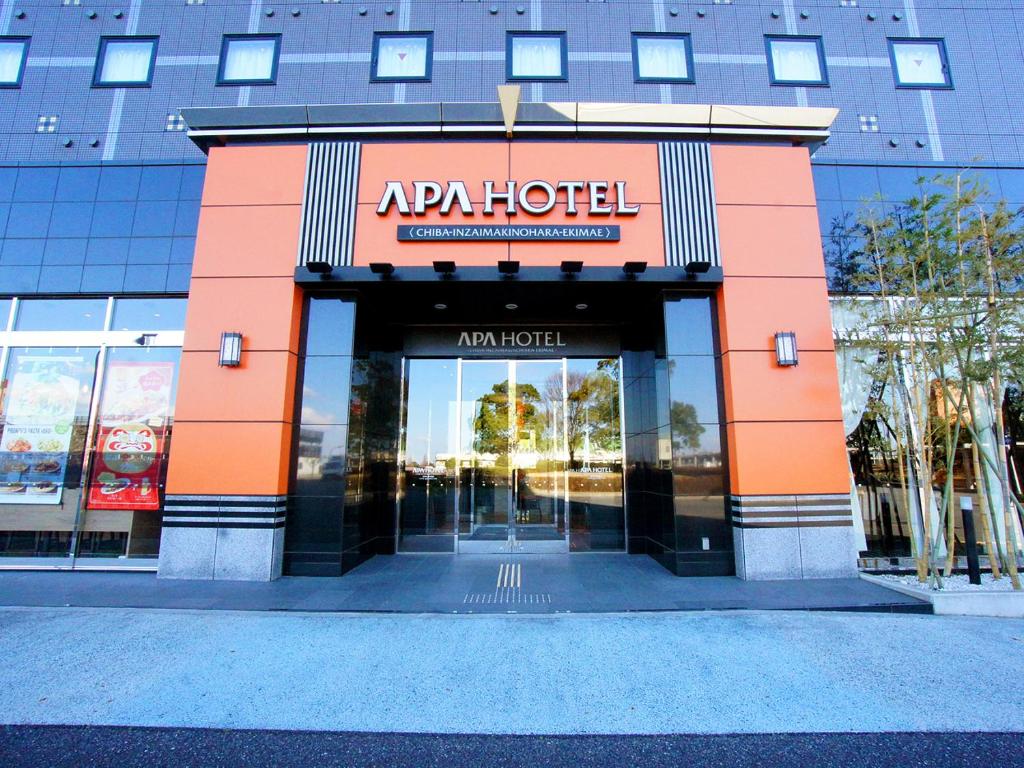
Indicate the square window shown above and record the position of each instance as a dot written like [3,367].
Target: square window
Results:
[402,56]
[536,56]
[13,52]
[662,58]
[249,60]
[46,124]
[796,60]
[919,63]
[125,61]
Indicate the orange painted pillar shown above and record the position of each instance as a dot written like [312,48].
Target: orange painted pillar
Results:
[789,481]
[227,477]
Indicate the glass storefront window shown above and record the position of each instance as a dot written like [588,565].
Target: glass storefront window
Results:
[149,315]
[330,326]
[128,463]
[61,315]
[45,416]
[85,431]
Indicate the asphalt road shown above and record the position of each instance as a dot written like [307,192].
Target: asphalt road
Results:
[100,747]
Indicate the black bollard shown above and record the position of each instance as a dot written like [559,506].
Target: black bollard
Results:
[967,512]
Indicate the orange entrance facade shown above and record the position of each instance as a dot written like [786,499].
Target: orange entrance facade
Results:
[724,225]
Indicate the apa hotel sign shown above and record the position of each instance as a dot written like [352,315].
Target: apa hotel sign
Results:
[533,198]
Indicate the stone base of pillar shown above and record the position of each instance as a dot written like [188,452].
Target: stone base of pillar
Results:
[793,537]
[239,538]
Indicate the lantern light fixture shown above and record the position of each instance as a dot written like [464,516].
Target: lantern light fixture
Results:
[785,349]
[230,349]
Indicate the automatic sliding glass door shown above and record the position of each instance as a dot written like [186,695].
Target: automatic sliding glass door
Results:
[512,456]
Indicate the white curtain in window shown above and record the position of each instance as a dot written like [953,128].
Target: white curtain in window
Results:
[537,56]
[11,53]
[661,57]
[402,57]
[126,62]
[249,60]
[796,60]
[855,382]
[919,64]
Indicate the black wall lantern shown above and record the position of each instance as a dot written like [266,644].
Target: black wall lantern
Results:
[230,349]
[785,348]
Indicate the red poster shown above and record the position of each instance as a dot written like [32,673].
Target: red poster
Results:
[130,436]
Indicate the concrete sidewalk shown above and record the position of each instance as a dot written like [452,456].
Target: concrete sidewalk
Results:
[734,672]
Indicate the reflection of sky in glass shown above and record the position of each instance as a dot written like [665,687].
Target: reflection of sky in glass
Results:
[329,329]
[688,327]
[325,388]
[692,381]
[430,421]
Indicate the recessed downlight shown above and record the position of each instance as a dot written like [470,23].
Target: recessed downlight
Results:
[440,306]
[582,306]
[511,306]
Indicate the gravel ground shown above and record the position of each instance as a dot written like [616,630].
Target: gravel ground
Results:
[956,583]
[726,672]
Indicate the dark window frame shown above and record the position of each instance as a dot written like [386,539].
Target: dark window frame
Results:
[428,66]
[687,39]
[940,44]
[101,54]
[773,79]
[225,45]
[510,36]
[26,41]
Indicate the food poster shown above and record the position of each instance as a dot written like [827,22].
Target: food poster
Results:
[41,401]
[130,436]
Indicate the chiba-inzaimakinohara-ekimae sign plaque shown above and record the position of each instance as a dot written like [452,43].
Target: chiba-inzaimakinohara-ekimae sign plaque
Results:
[534,198]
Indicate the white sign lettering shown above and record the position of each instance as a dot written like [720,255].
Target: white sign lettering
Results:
[534,198]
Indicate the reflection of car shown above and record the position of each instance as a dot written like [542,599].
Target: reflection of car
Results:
[333,467]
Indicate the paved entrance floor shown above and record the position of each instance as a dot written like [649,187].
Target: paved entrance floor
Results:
[535,584]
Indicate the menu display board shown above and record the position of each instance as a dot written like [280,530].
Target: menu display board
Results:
[41,401]
[131,430]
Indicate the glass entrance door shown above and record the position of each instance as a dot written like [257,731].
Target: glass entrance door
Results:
[504,456]
[512,456]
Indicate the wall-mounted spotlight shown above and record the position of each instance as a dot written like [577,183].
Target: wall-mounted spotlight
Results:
[571,267]
[145,339]
[634,268]
[322,268]
[382,268]
[697,267]
[785,348]
[508,267]
[230,349]
[444,268]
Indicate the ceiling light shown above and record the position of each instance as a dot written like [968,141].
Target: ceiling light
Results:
[582,306]
[440,306]
[511,306]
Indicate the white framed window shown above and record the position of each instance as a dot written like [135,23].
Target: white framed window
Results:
[796,60]
[919,63]
[536,56]
[249,60]
[13,52]
[662,57]
[125,62]
[402,56]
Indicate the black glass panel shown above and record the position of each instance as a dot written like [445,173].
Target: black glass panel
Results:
[688,327]
[330,326]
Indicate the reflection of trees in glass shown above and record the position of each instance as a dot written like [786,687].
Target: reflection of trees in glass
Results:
[592,409]
[490,421]
[686,431]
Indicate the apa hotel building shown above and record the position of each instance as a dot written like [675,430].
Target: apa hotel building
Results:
[290,285]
